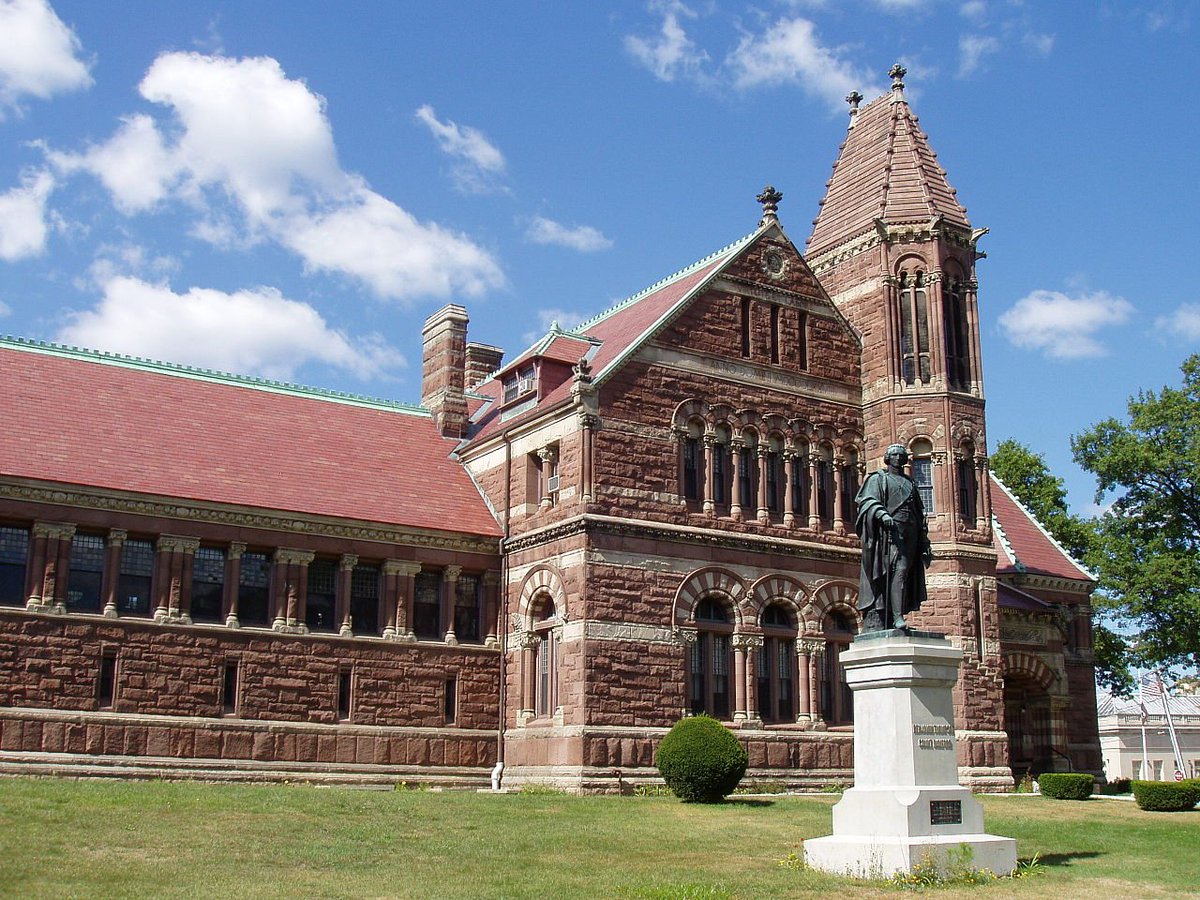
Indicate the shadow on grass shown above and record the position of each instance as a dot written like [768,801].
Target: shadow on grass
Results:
[748,801]
[1066,859]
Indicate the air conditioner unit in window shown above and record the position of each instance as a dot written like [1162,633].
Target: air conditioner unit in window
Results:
[552,484]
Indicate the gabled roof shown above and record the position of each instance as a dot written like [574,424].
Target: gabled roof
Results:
[885,170]
[105,421]
[611,337]
[1022,543]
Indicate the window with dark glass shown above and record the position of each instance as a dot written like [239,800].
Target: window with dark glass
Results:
[914,328]
[468,595]
[229,688]
[545,663]
[967,489]
[799,478]
[710,660]
[135,577]
[747,478]
[958,335]
[746,327]
[427,605]
[774,466]
[849,489]
[364,600]
[825,491]
[87,572]
[776,666]
[254,585]
[774,333]
[450,700]
[208,584]
[14,558]
[721,473]
[837,703]
[106,679]
[344,696]
[321,603]
[922,475]
[802,340]
[692,463]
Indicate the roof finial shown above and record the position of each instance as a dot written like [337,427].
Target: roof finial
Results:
[853,98]
[897,73]
[769,198]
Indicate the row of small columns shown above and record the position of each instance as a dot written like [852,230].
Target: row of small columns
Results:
[983,496]
[49,573]
[810,653]
[792,458]
[936,318]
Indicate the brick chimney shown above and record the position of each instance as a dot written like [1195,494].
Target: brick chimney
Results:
[482,361]
[444,369]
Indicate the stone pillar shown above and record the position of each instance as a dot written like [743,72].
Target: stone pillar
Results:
[112,570]
[983,500]
[710,500]
[450,598]
[814,515]
[49,581]
[589,423]
[939,366]
[173,558]
[751,645]
[839,490]
[735,493]
[681,436]
[528,643]
[342,613]
[684,638]
[35,578]
[803,696]
[233,581]
[816,660]
[491,607]
[290,579]
[971,299]
[764,511]
[739,679]
[403,573]
[549,458]
[790,461]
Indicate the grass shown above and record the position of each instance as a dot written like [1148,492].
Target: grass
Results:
[158,839]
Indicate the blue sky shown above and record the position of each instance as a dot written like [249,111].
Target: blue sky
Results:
[288,189]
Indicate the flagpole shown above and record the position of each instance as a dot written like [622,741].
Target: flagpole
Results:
[1171,728]
[1145,716]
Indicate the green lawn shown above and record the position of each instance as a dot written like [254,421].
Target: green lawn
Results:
[157,839]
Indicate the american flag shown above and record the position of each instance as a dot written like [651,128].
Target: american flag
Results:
[1151,686]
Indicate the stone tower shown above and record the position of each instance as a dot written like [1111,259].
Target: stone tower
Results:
[895,250]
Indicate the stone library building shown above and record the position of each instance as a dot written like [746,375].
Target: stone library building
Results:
[554,556]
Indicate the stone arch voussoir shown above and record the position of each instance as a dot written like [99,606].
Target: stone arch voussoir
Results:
[709,581]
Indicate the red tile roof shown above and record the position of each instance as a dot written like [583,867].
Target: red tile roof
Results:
[884,170]
[88,419]
[1022,545]
[613,334]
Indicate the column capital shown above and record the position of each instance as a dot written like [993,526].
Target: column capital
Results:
[59,530]
[747,642]
[348,561]
[451,573]
[400,567]
[236,549]
[285,555]
[174,542]
[117,536]
[683,637]
[810,646]
[548,454]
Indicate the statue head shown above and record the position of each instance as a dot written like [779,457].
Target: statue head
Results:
[897,451]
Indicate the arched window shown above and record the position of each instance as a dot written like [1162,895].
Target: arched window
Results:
[775,475]
[693,461]
[747,473]
[721,468]
[776,665]
[711,659]
[922,472]
[825,492]
[914,327]
[545,659]
[958,333]
[968,487]
[837,705]
[849,484]
[800,485]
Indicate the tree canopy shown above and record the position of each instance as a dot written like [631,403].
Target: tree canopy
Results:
[1146,547]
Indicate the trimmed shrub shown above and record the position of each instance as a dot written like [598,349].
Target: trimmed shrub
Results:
[1119,786]
[1166,796]
[1066,785]
[700,760]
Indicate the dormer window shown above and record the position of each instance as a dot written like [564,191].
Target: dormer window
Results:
[518,383]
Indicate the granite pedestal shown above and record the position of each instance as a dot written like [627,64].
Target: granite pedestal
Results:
[906,804]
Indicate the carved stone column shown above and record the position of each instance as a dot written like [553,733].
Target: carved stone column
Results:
[790,461]
[750,645]
[112,569]
[735,494]
[233,581]
[404,574]
[816,658]
[549,458]
[684,638]
[764,510]
[342,613]
[814,514]
[984,499]
[491,605]
[588,422]
[739,679]
[839,491]
[450,599]
[174,555]
[803,661]
[52,567]
[291,583]
[528,643]
[710,500]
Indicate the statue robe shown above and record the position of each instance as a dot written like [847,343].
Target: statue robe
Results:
[889,568]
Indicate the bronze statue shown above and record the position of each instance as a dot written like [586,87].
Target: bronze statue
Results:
[891,526]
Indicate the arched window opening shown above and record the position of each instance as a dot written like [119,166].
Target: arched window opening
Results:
[849,484]
[693,461]
[914,327]
[958,334]
[968,486]
[545,659]
[922,472]
[747,473]
[837,704]
[711,659]
[775,475]
[721,468]
[776,666]
[800,484]
[825,490]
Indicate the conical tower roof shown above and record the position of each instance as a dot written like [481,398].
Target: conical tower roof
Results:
[886,171]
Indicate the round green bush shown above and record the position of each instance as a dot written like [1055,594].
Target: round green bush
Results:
[700,760]
[1066,785]
[1166,796]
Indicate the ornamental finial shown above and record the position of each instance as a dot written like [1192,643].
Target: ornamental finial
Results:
[769,198]
[897,73]
[854,98]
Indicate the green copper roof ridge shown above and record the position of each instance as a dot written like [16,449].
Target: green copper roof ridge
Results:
[663,282]
[199,373]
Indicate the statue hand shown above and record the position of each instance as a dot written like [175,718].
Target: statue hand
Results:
[927,556]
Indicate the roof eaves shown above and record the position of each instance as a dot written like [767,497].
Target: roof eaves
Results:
[1042,528]
[1006,544]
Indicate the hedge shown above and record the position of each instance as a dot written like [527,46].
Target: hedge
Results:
[1166,796]
[1066,785]
[700,760]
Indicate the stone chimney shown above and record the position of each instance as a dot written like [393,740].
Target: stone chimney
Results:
[482,361]
[444,369]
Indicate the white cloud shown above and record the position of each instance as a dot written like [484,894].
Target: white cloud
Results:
[5,310]
[975,10]
[256,331]
[1183,322]
[972,50]
[1062,326]
[791,53]
[1039,43]
[480,160]
[23,217]
[583,238]
[38,54]
[252,152]
[566,319]
[671,53]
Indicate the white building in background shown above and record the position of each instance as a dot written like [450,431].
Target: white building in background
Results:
[1121,738]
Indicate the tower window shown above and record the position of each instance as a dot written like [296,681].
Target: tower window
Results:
[774,333]
[746,327]
[914,328]
[922,473]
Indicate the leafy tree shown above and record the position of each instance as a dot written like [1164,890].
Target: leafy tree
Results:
[1026,474]
[1147,549]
